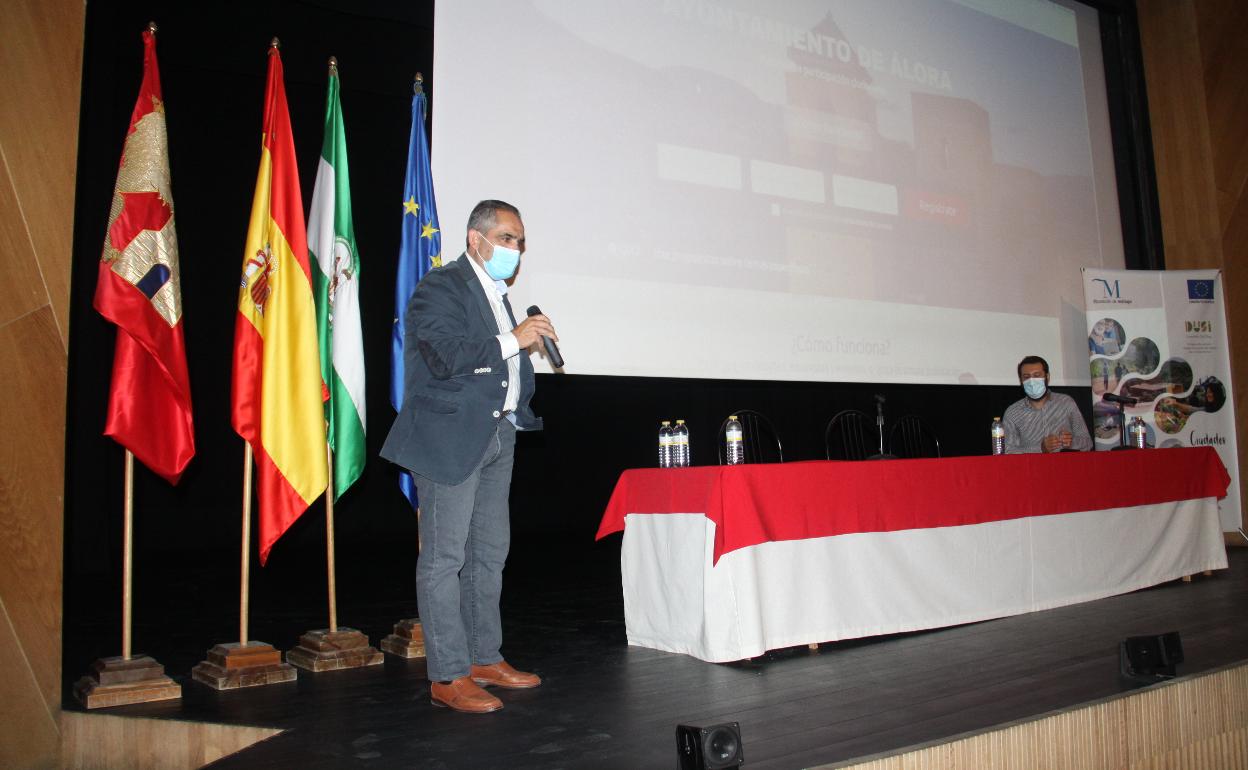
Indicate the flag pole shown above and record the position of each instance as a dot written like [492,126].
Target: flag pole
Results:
[335,647]
[245,663]
[329,541]
[130,678]
[246,561]
[127,557]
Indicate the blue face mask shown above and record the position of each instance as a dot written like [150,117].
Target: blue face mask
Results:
[1034,387]
[502,263]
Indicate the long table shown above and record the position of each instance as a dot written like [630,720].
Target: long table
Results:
[726,562]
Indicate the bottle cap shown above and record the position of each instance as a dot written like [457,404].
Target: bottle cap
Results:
[680,422]
[732,417]
[996,418]
[666,422]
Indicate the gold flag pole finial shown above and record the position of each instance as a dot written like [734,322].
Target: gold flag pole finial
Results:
[418,84]
[151,27]
[275,43]
[333,64]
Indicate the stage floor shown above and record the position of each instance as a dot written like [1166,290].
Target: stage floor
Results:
[604,704]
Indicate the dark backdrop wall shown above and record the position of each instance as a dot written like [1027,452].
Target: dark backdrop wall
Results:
[213,62]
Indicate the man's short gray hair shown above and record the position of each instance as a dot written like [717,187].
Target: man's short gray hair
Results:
[485,214]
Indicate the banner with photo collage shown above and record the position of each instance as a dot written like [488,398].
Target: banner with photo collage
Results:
[1159,337]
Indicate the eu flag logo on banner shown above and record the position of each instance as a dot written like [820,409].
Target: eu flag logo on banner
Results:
[1200,289]
[420,250]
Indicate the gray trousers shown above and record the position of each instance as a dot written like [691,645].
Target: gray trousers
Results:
[465,532]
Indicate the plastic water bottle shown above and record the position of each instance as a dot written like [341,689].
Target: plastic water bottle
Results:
[998,436]
[665,444]
[1138,432]
[734,439]
[680,445]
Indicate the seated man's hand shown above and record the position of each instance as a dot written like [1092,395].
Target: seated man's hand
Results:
[1052,443]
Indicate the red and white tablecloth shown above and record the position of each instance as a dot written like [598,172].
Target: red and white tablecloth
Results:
[725,563]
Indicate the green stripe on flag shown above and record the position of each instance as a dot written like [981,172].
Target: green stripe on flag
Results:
[336,279]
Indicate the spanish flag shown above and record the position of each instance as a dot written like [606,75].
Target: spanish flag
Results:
[278,397]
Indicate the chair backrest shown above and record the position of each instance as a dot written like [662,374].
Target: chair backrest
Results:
[848,436]
[760,441]
[912,437]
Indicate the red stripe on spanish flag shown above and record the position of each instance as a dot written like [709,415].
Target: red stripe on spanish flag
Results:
[277,390]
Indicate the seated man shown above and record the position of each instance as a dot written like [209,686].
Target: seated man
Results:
[1043,421]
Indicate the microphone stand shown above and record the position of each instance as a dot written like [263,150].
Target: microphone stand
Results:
[879,425]
[1122,427]
[1122,404]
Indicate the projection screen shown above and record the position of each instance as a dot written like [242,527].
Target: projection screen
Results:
[820,190]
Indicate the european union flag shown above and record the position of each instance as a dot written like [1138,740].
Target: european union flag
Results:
[1200,289]
[420,250]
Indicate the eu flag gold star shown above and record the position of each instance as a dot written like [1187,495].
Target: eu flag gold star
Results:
[436,260]
[428,230]
[410,206]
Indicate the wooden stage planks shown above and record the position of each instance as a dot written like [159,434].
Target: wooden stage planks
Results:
[604,704]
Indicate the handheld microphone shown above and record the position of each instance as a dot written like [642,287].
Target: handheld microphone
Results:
[552,352]
[1114,398]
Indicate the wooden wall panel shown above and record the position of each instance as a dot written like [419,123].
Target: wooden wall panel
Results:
[103,742]
[1223,26]
[1176,102]
[23,295]
[1194,724]
[31,482]
[31,473]
[29,737]
[1196,68]
[41,57]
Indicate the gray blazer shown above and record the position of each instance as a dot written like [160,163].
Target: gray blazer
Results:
[455,378]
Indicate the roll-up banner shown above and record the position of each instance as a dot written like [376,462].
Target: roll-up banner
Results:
[1159,337]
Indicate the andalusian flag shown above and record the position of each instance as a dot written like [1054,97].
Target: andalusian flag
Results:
[420,250]
[138,289]
[336,281]
[278,398]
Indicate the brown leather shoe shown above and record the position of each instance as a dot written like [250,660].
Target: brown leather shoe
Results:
[501,674]
[463,695]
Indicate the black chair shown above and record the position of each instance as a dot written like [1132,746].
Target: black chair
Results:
[760,441]
[912,437]
[850,436]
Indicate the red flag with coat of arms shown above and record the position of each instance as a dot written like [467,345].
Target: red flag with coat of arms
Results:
[139,290]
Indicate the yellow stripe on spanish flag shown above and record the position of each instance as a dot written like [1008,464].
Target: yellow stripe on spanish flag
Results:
[277,396]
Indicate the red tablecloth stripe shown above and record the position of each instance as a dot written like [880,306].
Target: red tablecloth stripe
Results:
[753,504]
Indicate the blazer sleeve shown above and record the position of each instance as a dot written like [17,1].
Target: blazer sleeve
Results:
[450,337]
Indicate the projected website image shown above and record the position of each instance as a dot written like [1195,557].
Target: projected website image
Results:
[828,149]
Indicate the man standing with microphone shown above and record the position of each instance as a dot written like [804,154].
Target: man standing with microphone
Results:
[467,387]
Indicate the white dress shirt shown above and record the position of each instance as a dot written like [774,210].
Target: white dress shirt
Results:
[507,342]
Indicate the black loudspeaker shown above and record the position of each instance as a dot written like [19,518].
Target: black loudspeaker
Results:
[709,748]
[1149,658]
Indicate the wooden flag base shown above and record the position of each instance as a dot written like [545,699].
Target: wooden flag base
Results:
[233,665]
[118,681]
[407,641]
[326,650]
